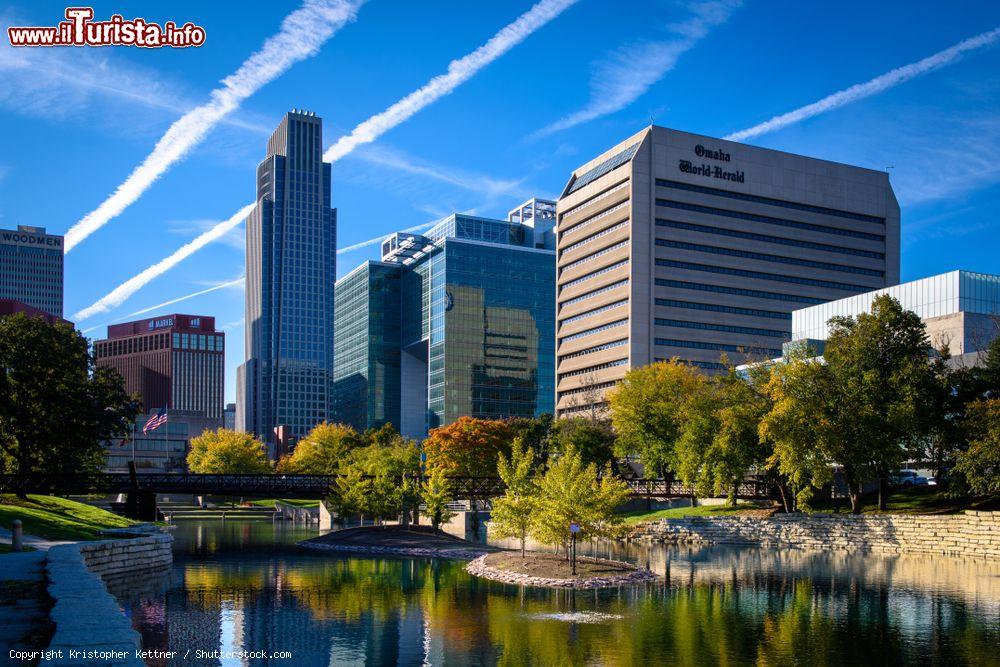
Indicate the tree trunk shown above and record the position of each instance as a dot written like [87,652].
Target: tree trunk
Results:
[883,493]
[784,498]
[854,493]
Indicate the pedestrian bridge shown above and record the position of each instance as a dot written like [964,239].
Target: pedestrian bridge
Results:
[141,488]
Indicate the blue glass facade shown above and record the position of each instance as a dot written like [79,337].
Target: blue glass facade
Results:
[367,347]
[291,270]
[476,326]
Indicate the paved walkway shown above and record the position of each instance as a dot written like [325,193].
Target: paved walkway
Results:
[24,604]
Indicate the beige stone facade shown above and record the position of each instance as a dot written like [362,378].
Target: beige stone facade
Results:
[678,245]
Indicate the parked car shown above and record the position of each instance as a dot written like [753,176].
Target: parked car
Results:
[920,480]
[932,481]
[904,478]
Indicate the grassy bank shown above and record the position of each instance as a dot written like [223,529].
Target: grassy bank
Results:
[641,516]
[914,500]
[55,518]
[297,502]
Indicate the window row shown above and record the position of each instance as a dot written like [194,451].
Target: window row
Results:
[591,239]
[592,350]
[733,310]
[594,330]
[593,256]
[770,201]
[598,197]
[594,369]
[765,257]
[587,222]
[594,274]
[766,238]
[768,220]
[722,347]
[760,275]
[737,291]
[593,293]
[726,328]
[594,311]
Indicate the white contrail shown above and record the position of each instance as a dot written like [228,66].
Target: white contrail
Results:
[302,33]
[379,239]
[859,91]
[459,71]
[118,295]
[629,71]
[213,288]
[230,283]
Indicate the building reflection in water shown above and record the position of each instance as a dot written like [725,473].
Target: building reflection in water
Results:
[241,586]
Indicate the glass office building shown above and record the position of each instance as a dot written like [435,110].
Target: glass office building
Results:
[31,268]
[476,306]
[367,347]
[287,379]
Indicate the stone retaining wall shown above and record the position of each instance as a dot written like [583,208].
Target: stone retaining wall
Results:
[972,534]
[87,618]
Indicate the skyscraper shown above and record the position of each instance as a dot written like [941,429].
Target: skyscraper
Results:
[678,245]
[31,268]
[287,378]
[458,321]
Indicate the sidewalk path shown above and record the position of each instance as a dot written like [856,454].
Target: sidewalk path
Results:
[24,603]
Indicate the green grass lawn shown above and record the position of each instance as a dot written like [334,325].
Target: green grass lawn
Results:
[57,518]
[640,516]
[914,500]
[296,502]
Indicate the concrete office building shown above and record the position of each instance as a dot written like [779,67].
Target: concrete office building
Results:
[176,362]
[287,379]
[961,310]
[678,245]
[13,307]
[455,322]
[31,268]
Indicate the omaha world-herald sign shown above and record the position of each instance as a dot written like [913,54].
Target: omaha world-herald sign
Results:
[708,170]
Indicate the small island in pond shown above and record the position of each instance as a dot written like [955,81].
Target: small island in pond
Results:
[553,571]
[414,541]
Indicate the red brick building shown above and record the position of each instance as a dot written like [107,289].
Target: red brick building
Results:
[174,361]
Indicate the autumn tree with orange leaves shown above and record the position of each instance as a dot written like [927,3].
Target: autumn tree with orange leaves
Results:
[468,447]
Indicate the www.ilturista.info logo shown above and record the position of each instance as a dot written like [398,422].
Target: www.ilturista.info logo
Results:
[81,30]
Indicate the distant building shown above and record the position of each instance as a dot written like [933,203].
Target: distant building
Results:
[31,268]
[454,322]
[673,244]
[174,362]
[12,306]
[229,416]
[287,378]
[961,310]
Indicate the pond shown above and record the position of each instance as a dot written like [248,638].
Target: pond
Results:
[244,586]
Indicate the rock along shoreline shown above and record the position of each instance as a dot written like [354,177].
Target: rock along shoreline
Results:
[479,568]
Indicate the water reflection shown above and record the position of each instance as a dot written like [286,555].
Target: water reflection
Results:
[244,586]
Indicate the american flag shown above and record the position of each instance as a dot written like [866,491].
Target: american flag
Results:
[156,421]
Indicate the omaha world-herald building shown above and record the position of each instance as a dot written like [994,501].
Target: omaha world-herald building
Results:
[284,387]
[675,245]
[458,321]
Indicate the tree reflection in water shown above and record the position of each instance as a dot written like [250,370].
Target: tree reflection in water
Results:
[251,589]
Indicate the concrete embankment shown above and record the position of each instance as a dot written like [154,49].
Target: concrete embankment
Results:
[971,534]
[86,616]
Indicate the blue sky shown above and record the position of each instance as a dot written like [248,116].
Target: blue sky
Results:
[78,121]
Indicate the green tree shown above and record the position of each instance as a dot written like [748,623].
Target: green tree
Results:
[56,407]
[376,480]
[868,407]
[572,492]
[436,495]
[593,440]
[538,433]
[648,411]
[980,463]
[225,451]
[514,513]
[322,451]
[736,448]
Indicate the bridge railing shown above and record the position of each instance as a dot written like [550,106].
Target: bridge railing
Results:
[300,486]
